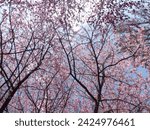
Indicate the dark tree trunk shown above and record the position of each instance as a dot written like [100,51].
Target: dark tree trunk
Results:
[96,107]
[5,104]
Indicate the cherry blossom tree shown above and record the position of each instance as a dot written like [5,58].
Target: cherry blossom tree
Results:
[100,57]
[74,56]
[27,44]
